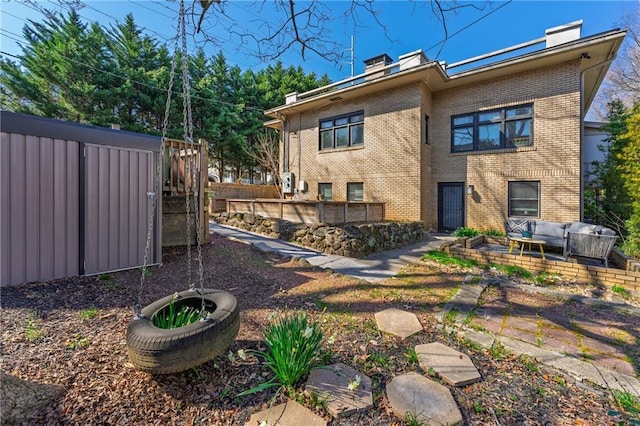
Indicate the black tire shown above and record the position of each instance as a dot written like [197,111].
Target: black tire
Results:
[162,351]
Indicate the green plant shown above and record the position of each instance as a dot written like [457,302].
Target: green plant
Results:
[466,232]
[78,342]
[498,351]
[293,344]
[450,317]
[175,317]
[104,277]
[88,314]
[529,363]
[411,355]
[479,408]
[447,259]
[411,419]
[629,405]
[621,291]
[32,329]
[545,278]
[513,270]
[494,233]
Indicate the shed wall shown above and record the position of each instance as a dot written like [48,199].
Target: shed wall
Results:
[39,233]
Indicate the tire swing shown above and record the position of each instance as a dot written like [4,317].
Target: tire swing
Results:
[157,350]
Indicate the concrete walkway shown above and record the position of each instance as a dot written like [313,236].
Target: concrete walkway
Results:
[375,268]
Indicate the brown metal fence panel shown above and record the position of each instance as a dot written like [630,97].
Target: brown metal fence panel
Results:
[39,223]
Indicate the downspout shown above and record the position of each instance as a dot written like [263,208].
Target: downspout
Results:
[300,146]
[582,116]
[285,155]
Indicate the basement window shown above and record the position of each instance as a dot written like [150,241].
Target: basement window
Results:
[524,198]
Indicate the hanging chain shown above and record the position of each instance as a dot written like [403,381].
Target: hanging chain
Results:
[190,167]
[157,180]
[187,134]
[190,171]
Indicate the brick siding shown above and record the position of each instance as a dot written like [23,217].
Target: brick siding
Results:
[398,168]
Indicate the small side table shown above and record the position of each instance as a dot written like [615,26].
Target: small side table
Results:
[522,241]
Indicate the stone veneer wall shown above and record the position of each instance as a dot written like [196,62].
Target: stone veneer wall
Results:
[351,239]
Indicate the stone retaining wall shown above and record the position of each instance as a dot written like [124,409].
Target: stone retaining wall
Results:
[352,240]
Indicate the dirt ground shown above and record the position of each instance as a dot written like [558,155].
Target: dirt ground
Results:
[72,332]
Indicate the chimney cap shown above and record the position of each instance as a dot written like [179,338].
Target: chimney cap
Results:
[377,60]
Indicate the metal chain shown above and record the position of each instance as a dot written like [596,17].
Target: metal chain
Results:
[188,130]
[187,134]
[157,180]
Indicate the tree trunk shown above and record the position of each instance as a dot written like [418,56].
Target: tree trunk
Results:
[21,399]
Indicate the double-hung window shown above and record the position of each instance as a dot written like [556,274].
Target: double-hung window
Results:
[524,198]
[507,127]
[342,131]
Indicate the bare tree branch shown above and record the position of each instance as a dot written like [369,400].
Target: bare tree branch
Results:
[266,152]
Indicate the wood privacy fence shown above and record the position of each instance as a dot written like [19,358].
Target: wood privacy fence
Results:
[185,173]
[221,192]
[331,212]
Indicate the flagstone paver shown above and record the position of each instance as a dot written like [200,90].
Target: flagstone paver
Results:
[398,322]
[288,414]
[453,366]
[332,382]
[429,401]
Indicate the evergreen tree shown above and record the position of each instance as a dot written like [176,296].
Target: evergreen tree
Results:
[628,164]
[61,72]
[137,61]
[614,206]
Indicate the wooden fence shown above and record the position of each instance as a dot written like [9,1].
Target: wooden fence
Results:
[331,212]
[185,173]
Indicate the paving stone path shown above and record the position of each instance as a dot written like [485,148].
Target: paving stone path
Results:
[547,334]
[345,389]
[288,414]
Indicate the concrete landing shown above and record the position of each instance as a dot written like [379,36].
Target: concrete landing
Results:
[398,322]
[453,366]
[288,414]
[429,401]
[333,382]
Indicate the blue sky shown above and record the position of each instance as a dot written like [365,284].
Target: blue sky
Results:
[410,26]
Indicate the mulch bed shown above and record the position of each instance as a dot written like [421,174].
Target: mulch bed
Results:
[50,335]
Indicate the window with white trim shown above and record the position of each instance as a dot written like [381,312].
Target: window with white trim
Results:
[342,131]
[507,127]
[524,198]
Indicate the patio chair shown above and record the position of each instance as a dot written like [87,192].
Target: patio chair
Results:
[596,246]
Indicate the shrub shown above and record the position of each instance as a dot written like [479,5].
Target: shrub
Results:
[494,233]
[466,232]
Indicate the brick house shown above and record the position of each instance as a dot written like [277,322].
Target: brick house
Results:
[450,149]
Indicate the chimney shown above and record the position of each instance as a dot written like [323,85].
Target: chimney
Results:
[563,34]
[290,98]
[375,63]
[412,59]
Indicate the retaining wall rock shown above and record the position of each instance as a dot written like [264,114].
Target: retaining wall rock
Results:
[351,239]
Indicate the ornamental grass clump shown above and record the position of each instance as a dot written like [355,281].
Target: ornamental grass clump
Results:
[293,346]
[174,317]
